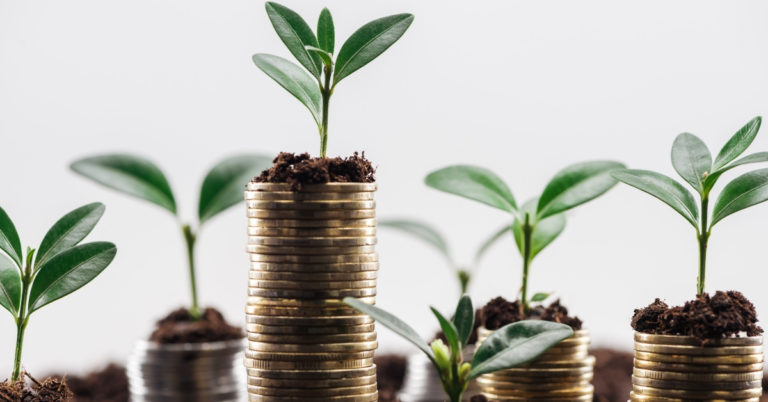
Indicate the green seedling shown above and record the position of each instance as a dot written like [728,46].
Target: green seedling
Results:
[314,85]
[222,188]
[507,347]
[540,220]
[430,235]
[693,162]
[59,267]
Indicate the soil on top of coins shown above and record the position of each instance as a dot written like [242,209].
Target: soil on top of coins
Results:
[390,374]
[180,327]
[48,390]
[726,314]
[300,170]
[109,384]
[500,312]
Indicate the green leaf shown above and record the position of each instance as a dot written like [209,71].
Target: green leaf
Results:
[368,42]
[449,330]
[475,183]
[129,174]
[464,319]
[294,80]
[10,285]
[9,238]
[540,297]
[486,245]
[757,157]
[296,34]
[738,143]
[664,188]
[422,231]
[224,184]
[68,231]
[544,233]
[324,56]
[575,185]
[743,192]
[395,324]
[691,159]
[69,271]
[516,344]
[326,33]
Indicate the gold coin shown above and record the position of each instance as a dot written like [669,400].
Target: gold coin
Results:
[307,357]
[308,321]
[309,251]
[314,188]
[307,365]
[289,302]
[313,375]
[698,368]
[314,348]
[302,196]
[515,374]
[313,276]
[533,386]
[295,205]
[697,377]
[296,383]
[692,341]
[641,398]
[312,241]
[697,350]
[733,359]
[312,232]
[588,361]
[313,339]
[306,330]
[300,311]
[312,294]
[312,223]
[316,259]
[503,393]
[345,391]
[697,386]
[373,397]
[318,285]
[308,214]
[586,397]
[302,269]
[689,394]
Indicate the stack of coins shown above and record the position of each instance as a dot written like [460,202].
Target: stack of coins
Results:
[309,249]
[422,381]
[563,373]
[673,368]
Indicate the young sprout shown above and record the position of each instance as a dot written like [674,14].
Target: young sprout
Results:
[540,220]
[434,238]
[314,86]
[222,188]
[60,266]
[507,347]
[693,162]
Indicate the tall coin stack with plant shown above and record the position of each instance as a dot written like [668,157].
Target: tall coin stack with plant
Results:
[698,351]
[566,370]
[312,232]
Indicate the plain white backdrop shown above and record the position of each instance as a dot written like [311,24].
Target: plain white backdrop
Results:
[521,87]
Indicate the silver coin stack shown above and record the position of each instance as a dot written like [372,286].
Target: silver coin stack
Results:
[422,382]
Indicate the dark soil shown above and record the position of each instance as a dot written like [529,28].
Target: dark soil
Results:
[180,327]
[500,312]
[723,315]
[478,398]
[390,373]
[613,375]
[109,384]
[299,170]
[48,390]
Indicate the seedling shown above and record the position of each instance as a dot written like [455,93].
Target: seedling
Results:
[430,235]
[693,162]
[540,220]
[222,188]
[314,85]
[60,266]
[507,347]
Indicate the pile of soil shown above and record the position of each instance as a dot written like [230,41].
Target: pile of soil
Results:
[390,374]
[109,384]
[723,315]
[180,327]
[49,390]
[500,312]
[299,170]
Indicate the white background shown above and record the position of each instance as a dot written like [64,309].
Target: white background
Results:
[522,87]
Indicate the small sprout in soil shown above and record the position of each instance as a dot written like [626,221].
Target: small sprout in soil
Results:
[430,235]
[540,220]
[314,85]
[507,347]
[59,266]
[692,160]
[222,188]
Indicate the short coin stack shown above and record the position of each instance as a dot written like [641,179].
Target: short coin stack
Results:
[674,368]
[563,373]
[309,249]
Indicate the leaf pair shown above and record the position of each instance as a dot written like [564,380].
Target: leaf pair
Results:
[139,177]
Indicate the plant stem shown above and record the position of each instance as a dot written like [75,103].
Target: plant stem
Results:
[22,320]
[190,238]
[464,278]
[527,234]
[326,91]
[703,237]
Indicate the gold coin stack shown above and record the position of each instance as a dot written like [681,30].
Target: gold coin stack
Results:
[681,368]
[309,249]
[563,373]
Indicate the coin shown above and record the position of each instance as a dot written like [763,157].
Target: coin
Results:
[313,276]
[310,251]
[293,383]
[310,348]
[538,374]
[309,285]
[314,339]
[697,377]
[314,188]
[312,241]
[307,330]
[697,350]
[289,302]
[312,232]
[503,393]
[373,397]
[691,341]
[300,312]
[345,391]
[698,368]
[303,196]
[312,294]
[305,214]
[732,359]
[534,386]
[307,357]
[311,268]
[312,223]
[313,374]
[586,397]
[689,394]
[697,386]
[295,205]
[315,259]
[307,365]
[637,397]
[308,321]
